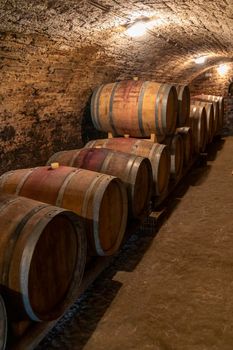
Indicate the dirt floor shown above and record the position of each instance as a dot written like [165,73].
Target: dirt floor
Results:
[172,288]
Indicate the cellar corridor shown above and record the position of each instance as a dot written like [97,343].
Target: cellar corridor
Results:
[171,289]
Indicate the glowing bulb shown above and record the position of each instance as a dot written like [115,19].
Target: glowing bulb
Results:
[223,69]
[137,29]
[200,60]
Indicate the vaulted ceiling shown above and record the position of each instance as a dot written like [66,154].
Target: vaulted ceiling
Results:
[182,31]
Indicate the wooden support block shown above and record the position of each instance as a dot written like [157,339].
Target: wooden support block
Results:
[126,136]
[110,135]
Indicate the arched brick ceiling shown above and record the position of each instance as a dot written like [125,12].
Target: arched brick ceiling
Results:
[96,29]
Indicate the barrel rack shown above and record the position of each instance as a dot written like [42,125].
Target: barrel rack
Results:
[28,336]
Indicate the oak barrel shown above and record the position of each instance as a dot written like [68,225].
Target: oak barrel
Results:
[211,126]
[219,106]
[183,94]
[134,171]
[176,147]
[43,253]
[186,133]
[198,123]
[158,155]
[136,108]
[98,198]
[3,324]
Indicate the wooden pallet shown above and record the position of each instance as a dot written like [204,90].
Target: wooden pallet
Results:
[35,332]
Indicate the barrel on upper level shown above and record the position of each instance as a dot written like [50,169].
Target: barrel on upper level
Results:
[211,122]
[42,258]
[136,108]
[134,171]
[98,198]
[3,325]
[158,155]
[198,123]
[183,94]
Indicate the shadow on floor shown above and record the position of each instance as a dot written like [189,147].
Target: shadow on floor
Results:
[81,320]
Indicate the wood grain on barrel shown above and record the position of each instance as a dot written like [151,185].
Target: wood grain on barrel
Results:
[183,94]
[186,133]
[134,171]
[199,127]
[158,155]
[135,108]
[211,122]
[100,199]
[35,236]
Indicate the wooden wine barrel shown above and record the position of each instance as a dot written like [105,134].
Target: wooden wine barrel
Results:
[3,325]
[216,110]
[43,254]
[158,155]
[199,127]
[220,109]
[98,198]
[211,122]
[136,108]
[134,171]
[183,94]
[186,133]
[176,147]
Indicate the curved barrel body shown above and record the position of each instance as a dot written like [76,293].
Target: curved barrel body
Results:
[186,133]
[198,123]
[175,145]
[100,199]
[158,155]
[136,108]
[211,122]
[43,254]
[134,171]
[183,94]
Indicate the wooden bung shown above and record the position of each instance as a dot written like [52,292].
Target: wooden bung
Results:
[101,200]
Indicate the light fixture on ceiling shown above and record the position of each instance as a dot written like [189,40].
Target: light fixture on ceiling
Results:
[136,29]
[139,27]
[223,69]
[200,60]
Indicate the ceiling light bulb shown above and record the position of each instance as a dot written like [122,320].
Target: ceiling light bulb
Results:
[200,60]
[223,69]
[137,29]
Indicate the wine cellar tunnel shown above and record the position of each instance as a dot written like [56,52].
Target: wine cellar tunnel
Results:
[53,55]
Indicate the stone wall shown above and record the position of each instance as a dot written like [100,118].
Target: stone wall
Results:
[53,54]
